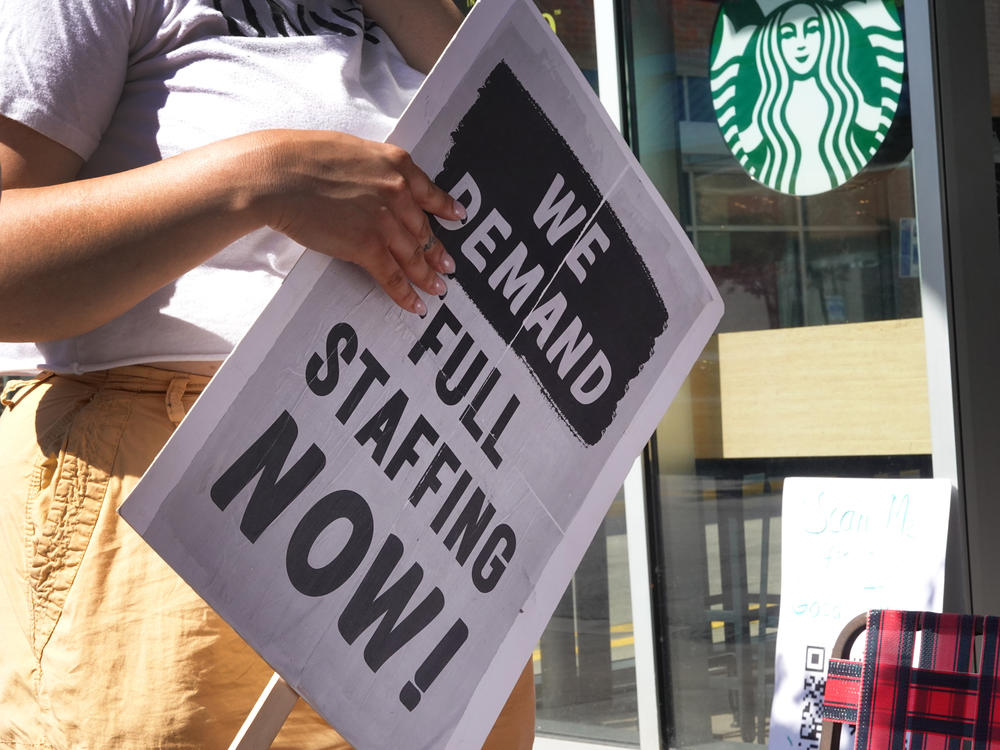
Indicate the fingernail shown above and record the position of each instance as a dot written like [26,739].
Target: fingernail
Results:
[447,262]
[420,308]
[438,287]
[459,210]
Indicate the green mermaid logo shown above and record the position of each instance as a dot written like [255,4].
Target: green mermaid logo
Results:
[805,91]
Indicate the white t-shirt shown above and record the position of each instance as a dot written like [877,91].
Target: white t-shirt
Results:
[127,82]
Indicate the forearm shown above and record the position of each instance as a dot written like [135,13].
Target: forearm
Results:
[90,250]
[420,29]
[75,255]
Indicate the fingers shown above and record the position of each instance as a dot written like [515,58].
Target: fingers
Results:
[438,257]
[411,241]
[433,251]
[409,249]
[428,196]
[372,207]
[403,261]
[390,276]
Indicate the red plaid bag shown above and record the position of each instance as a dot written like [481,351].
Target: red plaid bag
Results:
[943,703]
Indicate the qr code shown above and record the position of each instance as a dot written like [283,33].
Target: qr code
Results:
[812,711]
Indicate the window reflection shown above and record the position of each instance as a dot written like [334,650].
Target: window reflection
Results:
[585,663]
[819,341]
[817,370]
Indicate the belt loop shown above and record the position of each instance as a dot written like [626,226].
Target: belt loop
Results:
[15,390]
[175,403]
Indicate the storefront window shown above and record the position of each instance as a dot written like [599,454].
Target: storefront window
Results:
[805,218]
[585,663]
[818,367]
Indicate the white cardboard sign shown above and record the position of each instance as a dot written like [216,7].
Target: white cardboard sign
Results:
[388,508]
[847,546]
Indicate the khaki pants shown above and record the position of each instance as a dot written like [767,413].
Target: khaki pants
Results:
[101,644]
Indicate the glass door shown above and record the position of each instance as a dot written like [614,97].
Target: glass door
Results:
[844,218]
[780,133]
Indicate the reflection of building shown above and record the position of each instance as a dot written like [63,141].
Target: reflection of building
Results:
[842,353]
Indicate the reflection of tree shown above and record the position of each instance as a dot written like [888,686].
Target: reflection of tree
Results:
[756,276]
[817,280]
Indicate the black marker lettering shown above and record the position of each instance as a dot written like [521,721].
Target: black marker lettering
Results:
[372,601]
[470,525]
[273,492]
[430,480]
[451,396]
[340,505]
[497,561]
[427,672]
[406,453]
[444,317]
[449,505]
[373,371]
[381,427]
[489,444]
[468,418]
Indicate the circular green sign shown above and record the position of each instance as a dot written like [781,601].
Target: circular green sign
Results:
[805,91]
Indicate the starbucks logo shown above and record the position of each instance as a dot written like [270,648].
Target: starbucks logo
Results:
[805,91]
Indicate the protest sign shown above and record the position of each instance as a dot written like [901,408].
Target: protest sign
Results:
[847,546]
[388,508]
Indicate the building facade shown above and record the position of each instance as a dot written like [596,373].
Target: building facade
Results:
[858,339]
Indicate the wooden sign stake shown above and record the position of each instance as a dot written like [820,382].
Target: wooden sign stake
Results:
[267,716]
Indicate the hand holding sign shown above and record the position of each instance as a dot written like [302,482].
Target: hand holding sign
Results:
[359,201]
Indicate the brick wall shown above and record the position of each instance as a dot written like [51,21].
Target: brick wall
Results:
[574,24]
[574,21]
[694,22]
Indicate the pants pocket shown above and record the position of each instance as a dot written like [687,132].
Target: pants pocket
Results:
[71,483]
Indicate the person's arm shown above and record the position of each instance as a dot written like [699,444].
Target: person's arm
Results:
[75,254]
[420,29]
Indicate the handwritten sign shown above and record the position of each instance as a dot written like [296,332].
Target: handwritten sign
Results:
[388,508]
[847,546]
